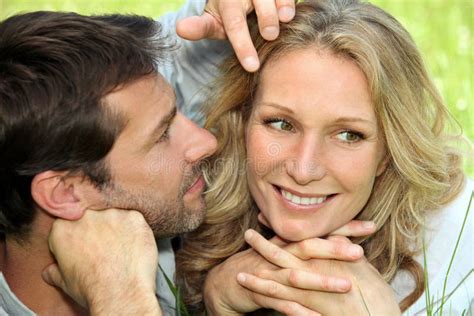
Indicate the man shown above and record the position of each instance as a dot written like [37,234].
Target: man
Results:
[88,122]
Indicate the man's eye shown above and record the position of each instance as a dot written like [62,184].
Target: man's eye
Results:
[280,124]
[350,136]
[165,136]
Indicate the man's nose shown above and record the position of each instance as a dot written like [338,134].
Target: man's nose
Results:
[200,142]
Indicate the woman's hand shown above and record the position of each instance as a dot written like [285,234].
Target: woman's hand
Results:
[369,294]
[224,296]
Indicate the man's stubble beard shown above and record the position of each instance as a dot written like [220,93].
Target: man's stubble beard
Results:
[166,218]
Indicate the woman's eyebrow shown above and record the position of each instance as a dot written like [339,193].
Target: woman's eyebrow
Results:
[354,119]
[276,105]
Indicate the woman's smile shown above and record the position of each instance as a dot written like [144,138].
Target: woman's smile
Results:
[313,143]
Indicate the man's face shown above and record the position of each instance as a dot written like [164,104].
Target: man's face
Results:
[154,162]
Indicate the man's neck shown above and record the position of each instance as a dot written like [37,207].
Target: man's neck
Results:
[22,264]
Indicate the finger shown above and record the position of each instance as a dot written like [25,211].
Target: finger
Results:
[235,25]
[199,27]
[267,16]
[278,241]
[263,220]
[270,291]
[306,280]
[286,10]
[325,249]
[356,228]
[52,276]
[284,307]
[59,230]
[270,251]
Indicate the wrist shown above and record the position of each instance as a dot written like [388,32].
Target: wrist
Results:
[133,301]
[213,300]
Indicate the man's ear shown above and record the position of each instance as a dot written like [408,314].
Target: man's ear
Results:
[57,194]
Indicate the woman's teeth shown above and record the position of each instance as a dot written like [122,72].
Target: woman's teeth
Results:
[302,200]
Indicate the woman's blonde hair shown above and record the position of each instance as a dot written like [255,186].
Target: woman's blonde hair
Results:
[423,173]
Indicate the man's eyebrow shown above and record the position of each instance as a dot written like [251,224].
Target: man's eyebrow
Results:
[164,121]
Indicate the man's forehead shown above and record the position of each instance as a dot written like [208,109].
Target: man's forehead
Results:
[150,90]
[143,105]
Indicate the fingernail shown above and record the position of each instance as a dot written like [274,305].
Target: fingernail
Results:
[286,13]
[241,277]
[368,225]
[356,251]
[250,63]
[45,277]
[248,235]
[270,32]
[343,285]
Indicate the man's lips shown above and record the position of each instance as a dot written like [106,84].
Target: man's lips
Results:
[197,186]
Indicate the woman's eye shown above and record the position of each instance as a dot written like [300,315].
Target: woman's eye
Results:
[350,137]
[280,124]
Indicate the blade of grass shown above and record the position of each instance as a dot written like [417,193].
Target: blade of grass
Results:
[428,301]
[179,304]
[453,255]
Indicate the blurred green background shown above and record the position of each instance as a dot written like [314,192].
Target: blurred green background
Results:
[443,30]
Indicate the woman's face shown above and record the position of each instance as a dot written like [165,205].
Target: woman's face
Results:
[313,144]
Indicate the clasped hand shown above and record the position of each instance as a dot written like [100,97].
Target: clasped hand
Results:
[312,277]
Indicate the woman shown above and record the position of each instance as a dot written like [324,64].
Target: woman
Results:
[341,122]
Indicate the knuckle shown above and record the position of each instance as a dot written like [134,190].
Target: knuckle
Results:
[136,217]
[303,246]
[235,23]
[275,254]
[272,289]
[291,308]
[58,228]
[325,283]
[260,274]
[293,278]
[55,227]
[268,18]
[338,249]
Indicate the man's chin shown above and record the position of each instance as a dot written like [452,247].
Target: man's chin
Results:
[189,221]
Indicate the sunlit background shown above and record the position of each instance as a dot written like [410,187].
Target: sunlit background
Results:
[443,30]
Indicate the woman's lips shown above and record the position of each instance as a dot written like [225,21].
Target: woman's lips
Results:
[294,200]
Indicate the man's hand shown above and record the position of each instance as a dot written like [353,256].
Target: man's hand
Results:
[228,19]
[234,299]
[106,261]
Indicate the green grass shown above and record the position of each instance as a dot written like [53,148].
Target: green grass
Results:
[443,30]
